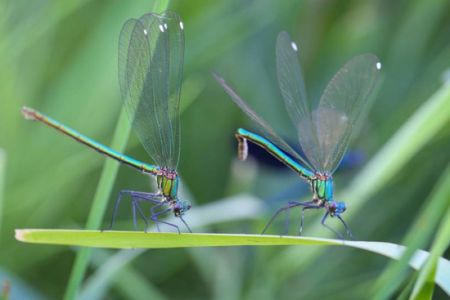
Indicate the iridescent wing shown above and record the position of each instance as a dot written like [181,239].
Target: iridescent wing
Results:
[292,87]
[341,106]
[325,133]
[263,126]
[151,52]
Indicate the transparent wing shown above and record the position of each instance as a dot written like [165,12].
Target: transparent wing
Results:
[342,104]
[265,128]
[151,52]
[324,134]
[292,87]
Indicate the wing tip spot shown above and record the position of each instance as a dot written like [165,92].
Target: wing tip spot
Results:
[181,25]
[145,31]
[161,28]
[294,46]
[378,65]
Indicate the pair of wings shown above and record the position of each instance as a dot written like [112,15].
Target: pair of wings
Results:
[151,53]
[323,132]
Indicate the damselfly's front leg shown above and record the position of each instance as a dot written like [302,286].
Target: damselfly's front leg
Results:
[349,233]
[155,219]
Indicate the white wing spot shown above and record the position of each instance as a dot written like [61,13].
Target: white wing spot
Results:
[294,46]
[165,25]
[161,28]
[378,65]
[181,25]
[145,31]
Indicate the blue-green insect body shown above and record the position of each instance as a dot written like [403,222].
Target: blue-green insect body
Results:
[323,131]
[168,183]
[243,135]
[322,187]
[151,55]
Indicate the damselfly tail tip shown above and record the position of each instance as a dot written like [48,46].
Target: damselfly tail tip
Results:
[28,113]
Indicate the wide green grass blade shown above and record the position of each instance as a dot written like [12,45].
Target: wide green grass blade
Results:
[152,240]
[133,240]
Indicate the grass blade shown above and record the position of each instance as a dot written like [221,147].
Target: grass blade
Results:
[155,240]
[133,240]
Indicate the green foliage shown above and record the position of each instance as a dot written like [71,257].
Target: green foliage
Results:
[61,58]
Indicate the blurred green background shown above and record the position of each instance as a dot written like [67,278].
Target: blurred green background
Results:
[60,57]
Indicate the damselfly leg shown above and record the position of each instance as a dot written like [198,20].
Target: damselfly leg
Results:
[136,198]
[291,204]
[347,229]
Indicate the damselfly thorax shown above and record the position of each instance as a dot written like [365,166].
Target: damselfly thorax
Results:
[167,182]
[322,187]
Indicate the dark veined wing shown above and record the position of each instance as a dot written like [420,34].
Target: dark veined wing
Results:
[151,53]
[265,128]
[292,87]
[341,106]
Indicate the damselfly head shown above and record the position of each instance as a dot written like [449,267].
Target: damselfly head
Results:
[336,208]
[181,207]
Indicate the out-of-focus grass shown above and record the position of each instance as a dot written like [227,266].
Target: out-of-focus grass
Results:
[424,286]
[2,180]
[431,215]
[60,57]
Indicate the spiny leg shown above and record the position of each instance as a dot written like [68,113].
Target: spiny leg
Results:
[154,218]
[134,195]
[325,225]
[185,224]
[280,210]
[294,203]
[347,229]
[308,205]
[135,203]
[152,210]
[286,222]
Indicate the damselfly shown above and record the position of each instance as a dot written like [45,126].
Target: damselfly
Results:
[323,132]
[151,53]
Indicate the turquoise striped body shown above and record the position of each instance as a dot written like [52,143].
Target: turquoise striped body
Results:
[276,152]
[321,184]
[141,166]
[322,187]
